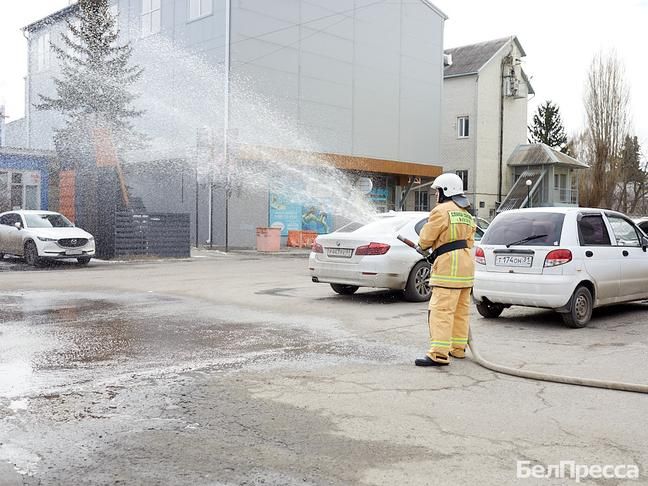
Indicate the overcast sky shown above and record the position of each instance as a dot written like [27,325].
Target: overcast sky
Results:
[559,36]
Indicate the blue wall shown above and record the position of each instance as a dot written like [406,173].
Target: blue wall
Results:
[29,162]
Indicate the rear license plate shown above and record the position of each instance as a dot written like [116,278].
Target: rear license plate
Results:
[513,261]
[339,252]
[73,252]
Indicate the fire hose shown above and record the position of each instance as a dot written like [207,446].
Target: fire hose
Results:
[536,375]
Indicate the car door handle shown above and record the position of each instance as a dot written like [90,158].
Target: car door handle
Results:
[589,254]
[625,253]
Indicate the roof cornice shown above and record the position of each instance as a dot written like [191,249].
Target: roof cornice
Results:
[59,14]
[435,8]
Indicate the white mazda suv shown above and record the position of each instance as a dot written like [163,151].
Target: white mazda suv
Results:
[43,235]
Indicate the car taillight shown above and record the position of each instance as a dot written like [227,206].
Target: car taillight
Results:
[373,249]
[480,256]
[316,247]
[558,257]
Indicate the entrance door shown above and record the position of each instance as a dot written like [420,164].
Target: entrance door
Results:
[16,190]
[5,199]
[31,198]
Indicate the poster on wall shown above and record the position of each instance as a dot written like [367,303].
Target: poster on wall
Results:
[379,192]
[288,216]
[317,219]
[284,214]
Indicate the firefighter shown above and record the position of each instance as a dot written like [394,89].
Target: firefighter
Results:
[449,233]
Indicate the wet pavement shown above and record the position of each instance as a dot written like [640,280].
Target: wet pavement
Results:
[235,369]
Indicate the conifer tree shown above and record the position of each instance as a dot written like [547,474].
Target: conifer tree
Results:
[548,127]
[94,89]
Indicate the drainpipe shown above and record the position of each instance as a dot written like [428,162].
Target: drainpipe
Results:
[475,145]
[2,125]
[28,89]
[505,62]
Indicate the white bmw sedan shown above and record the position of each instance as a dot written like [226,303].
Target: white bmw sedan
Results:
[370,255]
[43,235]
[567,259]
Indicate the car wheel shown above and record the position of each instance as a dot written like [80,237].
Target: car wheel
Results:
[84,260]
[489,310]
[417,288]
[344,289]
[580,308]
[31,254]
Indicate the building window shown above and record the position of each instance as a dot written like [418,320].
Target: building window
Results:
[19,190]
[43,52]
[421,200]
[113,10]
[199,8]
[463,127]
[150,17]
[463,175]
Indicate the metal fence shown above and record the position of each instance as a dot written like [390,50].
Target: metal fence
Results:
[152,234]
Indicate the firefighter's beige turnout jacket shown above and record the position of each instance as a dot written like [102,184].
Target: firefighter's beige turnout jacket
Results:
[448,222]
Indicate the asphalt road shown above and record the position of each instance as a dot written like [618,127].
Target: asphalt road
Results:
[236,369]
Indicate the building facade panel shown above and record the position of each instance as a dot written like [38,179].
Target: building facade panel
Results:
[359,78]
[458,153]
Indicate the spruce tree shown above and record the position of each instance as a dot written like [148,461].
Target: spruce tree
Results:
[94,89]
[548,127]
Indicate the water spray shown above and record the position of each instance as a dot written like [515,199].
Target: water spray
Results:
[536,375]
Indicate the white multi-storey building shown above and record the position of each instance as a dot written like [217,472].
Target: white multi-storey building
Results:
[484,113]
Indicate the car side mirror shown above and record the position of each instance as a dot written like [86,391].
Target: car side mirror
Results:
[18,225]
[644,243]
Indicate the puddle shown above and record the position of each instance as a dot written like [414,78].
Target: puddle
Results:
[53,341]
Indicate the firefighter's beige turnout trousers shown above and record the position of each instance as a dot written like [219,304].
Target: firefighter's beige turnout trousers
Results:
[448,321]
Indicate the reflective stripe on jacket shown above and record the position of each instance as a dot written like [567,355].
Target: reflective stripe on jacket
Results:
[448,222]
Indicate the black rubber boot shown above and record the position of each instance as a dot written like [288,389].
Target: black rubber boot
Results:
[427,361]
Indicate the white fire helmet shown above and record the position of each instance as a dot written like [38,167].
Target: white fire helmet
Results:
[450,183]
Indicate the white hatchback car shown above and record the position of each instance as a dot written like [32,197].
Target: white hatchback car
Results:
[42,235]
[370,255]
[567,259]
[643,224]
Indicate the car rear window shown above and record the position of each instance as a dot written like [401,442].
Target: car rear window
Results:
[527,228]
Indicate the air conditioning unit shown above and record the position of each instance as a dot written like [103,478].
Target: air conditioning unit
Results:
[512,86]
[447,60]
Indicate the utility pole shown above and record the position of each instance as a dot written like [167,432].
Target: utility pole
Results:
[226,121]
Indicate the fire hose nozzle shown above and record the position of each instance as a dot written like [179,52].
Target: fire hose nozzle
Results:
[413,245]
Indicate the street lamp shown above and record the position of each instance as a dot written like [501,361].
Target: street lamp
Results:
[528,184]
